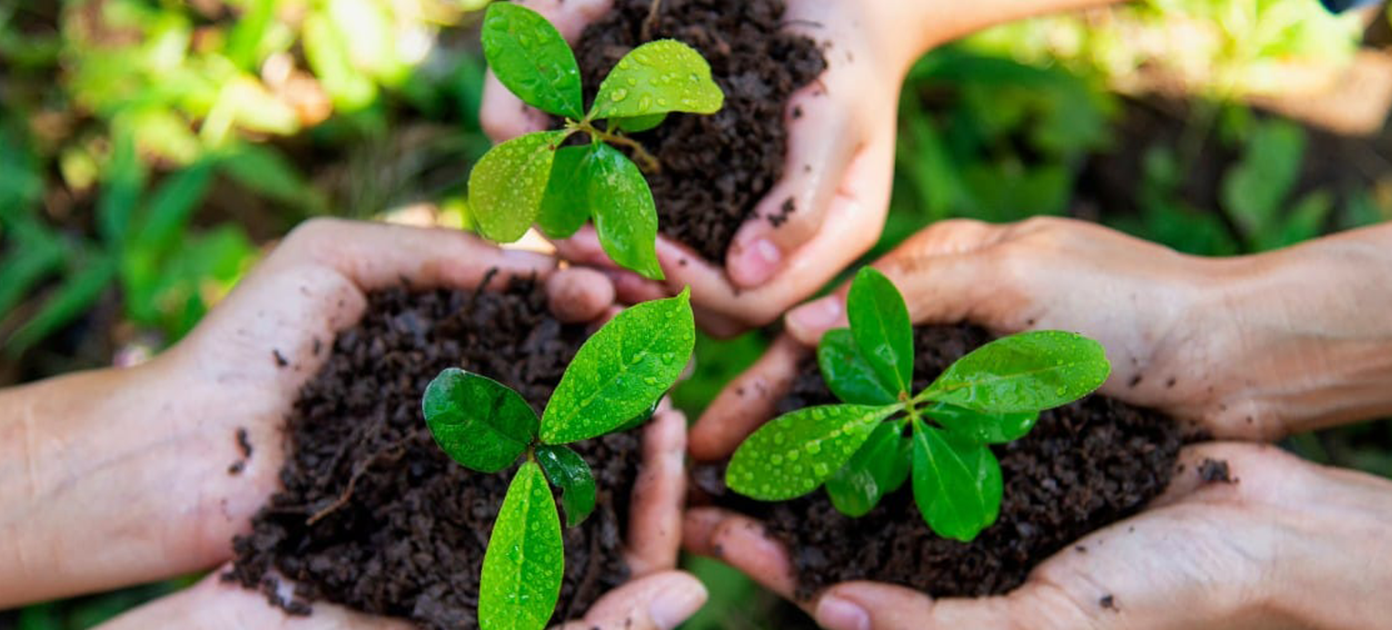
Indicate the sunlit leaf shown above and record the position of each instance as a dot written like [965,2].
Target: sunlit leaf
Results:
[507,185]
[1025,372]
[525,559]
[796,452]
[621,370]
[656,78]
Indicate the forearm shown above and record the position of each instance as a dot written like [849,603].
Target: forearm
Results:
[1311,327]
[917,27]
[92,489]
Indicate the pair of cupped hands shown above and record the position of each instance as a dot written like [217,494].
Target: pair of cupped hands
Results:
[1247,349]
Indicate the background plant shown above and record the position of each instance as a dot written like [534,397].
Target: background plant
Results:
[613,384]
[534,179]
[859,449]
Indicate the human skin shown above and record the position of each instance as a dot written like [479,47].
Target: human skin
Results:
[1249,348]
[839,162]
[119,476]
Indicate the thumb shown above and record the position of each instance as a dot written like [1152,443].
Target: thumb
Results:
[661,601]
[944,272]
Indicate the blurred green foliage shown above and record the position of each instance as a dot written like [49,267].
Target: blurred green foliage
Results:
[148,147]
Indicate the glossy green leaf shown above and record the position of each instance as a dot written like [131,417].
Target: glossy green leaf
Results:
[638,123]
[621,370]
[956,485]
[507,184]
[880,326]
[640,419]
[530,58]
[980,427]
[481,423]
[796,452]
[1025,372]
[565,206]
[655,78]
[847,373]
[626,218]
[568,471]
[525,559]
[877,469]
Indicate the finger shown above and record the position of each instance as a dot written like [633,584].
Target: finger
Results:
[941,272]
[661,601]
[658,494]
[747,402]
[578,295]
[872,606]
[821,144]
[376,256]
[743,543]
[212,604]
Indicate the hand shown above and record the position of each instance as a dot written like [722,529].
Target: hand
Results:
[141,455]
[1289,544]
[837,171]
[1250,347]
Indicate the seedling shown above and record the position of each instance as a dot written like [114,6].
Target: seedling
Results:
[533,179]
[613,384]
[860,451]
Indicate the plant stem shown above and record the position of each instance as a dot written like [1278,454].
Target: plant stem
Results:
[651,21]
[646,161]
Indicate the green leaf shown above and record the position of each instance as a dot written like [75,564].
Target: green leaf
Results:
[957,486]
[621,370]
[877,469]
[656,78]
[530,57]
[624,213]
[847,373]
[38,255]
[481,423]
[638,123]
[565,206]
[67,303]
[640,419]
[881,328]
[796,452]
[121,188]
[568,470]
[172,204]
[1025,372]
[507,184]
[525,559]
[982,428]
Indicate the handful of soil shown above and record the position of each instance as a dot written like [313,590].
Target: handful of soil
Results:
[375,516]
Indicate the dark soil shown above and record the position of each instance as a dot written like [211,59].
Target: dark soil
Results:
[1083,466]
[715,168]
[1215,471]
[399,529]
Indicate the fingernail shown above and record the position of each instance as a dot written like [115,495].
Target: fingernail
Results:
[835,613]
[819,315]
[676,603]
[757,262]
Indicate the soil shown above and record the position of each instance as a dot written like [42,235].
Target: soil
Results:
[716,168]
[398,528]
[1083,466]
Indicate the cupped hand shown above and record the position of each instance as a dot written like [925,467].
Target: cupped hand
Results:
[837,170]
[1286,544]
[242,369]
[1253,347]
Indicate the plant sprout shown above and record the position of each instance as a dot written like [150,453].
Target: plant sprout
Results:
[884,433]
[534,179]
[613,384]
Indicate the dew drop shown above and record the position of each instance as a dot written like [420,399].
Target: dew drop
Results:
[776,460]
[619,95]
[820,469]
[814,447]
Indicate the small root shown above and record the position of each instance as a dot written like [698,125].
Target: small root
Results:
[650,22]
[388,454]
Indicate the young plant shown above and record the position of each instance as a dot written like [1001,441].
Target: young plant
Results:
[534,179]
[613,384]
[860,451]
